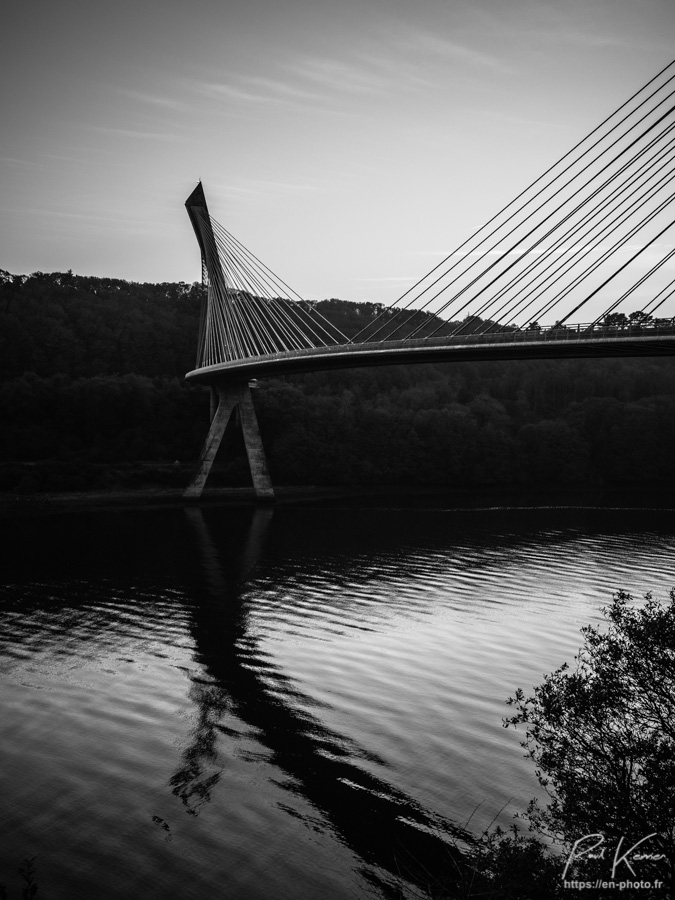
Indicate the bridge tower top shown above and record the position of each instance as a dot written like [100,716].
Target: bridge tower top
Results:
[198,212]
[249,311]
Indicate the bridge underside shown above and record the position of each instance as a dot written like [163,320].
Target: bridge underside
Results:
[354,356]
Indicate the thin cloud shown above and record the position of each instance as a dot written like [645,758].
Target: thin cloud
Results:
[509,118]
[584,39]
[90,225]
[551,23]
[277,89]
[138,135]
[262,188]
[393,69]
[287,186]
[21,163]
[66,215]
[341,76]
[554,27]
[61,157]
[153,99]
[313,81]
[454,51]
[231,92]
[547,23]
[256,90]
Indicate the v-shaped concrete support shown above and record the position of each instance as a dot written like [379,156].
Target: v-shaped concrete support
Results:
[229,397]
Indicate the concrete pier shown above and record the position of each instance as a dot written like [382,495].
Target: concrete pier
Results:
[230,396]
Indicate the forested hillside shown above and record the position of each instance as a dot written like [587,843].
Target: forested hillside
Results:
[92,378]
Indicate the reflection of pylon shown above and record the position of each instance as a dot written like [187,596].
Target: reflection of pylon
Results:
[232,396]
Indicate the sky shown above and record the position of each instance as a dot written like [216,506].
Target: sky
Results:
[350,145]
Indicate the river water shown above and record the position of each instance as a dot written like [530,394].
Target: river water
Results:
[300,702]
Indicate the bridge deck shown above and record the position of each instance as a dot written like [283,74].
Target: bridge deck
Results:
[552,343]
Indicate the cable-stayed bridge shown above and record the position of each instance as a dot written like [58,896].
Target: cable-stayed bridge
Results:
[553,274]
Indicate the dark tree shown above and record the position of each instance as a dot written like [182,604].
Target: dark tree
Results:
[602,737]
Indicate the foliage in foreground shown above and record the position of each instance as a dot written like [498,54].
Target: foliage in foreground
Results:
[602,737]
[510,866]
[27,873]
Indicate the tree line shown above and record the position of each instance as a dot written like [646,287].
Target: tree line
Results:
[91,376]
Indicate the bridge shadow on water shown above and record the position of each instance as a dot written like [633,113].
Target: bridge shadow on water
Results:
[387,830]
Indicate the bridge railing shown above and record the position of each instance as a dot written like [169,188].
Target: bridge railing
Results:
[576,332]
[579,331]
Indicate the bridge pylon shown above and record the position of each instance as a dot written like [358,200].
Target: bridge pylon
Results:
[231,396]
[221,333]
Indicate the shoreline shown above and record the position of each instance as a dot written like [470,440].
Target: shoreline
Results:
[379,496]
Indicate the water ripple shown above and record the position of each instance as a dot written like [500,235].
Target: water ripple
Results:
[264,699]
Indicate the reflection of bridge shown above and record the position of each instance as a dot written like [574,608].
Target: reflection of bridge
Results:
[588,234]
[390,833]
